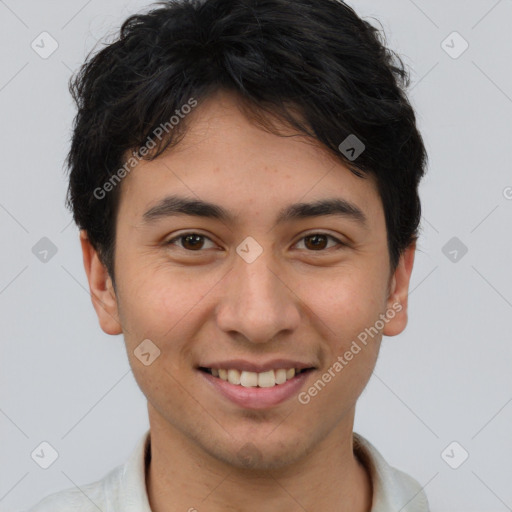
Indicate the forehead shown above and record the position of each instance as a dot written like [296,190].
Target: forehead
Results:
[225,158]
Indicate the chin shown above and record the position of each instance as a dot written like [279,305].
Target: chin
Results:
[259,455]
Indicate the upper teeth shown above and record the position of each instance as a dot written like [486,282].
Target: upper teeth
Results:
[252,379]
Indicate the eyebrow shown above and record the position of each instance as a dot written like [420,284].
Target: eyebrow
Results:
[176,205]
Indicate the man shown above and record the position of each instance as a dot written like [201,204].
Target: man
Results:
[244,174]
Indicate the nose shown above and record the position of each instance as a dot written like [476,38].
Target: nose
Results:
[258,302]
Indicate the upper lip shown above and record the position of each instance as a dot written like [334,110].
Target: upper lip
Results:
[258,367]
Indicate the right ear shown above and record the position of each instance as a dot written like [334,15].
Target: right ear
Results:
[100,284]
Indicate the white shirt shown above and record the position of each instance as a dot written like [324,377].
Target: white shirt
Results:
[124,488]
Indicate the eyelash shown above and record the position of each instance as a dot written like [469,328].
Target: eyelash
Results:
[184,235]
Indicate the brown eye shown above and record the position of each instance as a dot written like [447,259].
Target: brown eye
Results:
[189,241]
[318,241]
[193,242]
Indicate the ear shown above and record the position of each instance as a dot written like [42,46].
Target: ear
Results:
[100,284]
[399,292]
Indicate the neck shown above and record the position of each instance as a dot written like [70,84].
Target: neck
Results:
[182,477]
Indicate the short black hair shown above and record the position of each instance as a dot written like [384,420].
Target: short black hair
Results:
[314,64]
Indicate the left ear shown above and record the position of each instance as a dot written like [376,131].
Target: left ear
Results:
[399,292]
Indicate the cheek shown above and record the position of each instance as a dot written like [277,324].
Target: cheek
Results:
[345,314]
[348,302]
[162,304]
[346,309]
[159,308]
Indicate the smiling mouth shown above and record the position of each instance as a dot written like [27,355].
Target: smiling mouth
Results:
[247,379]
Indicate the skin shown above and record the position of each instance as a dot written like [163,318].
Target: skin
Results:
[208,304]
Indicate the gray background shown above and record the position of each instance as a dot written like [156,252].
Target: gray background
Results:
[446,378]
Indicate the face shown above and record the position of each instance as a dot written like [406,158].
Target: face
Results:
[264,287]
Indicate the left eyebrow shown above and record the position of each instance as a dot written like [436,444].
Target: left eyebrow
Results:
[176,205]
[333,206]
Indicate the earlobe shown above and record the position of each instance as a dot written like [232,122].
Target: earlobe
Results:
[396,307]
[100,285]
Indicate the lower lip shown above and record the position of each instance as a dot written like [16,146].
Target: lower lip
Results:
[257,398]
